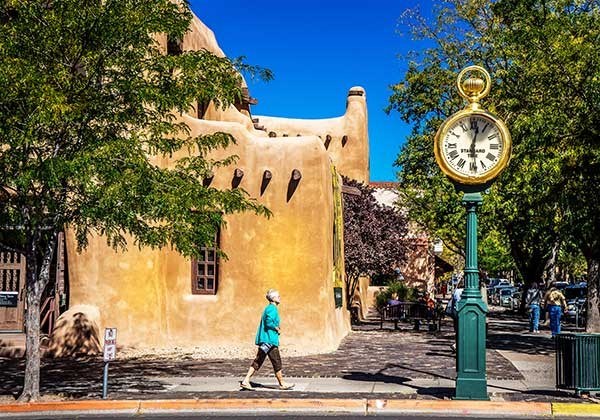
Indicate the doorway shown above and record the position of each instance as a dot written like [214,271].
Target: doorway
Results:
[12,292]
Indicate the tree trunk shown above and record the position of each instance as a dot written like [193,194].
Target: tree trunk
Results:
[550,266]
[533,270]
[351,284]
[36,283]
[593,301]
[31,387]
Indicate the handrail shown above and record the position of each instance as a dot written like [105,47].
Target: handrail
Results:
[50,315]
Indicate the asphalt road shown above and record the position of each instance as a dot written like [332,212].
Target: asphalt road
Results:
[296,416]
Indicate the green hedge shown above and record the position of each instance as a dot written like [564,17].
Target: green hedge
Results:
[399,289]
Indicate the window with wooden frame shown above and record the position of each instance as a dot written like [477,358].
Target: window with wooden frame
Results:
[205,270]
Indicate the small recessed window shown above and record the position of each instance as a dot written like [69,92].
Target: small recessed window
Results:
[174,45]
[206,269]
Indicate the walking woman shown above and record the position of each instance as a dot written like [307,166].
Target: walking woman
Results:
[555,305]
[267,340]
[534,297]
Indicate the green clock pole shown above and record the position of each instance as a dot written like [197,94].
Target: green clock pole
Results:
[471,381]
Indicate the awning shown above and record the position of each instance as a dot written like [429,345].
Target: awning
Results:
[442,266]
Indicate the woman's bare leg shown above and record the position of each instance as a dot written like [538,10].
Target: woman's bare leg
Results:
[282,383]
[246,380]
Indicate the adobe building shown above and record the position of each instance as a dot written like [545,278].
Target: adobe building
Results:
[159,299]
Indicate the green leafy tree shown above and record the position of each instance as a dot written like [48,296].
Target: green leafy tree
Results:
[89,104]
[543,58]
[494,255]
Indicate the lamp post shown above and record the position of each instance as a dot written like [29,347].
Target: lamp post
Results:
[471,382]
[472,148]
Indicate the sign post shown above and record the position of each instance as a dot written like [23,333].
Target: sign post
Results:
[110,352]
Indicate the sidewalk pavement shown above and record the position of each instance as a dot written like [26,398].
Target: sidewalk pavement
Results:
[373,371]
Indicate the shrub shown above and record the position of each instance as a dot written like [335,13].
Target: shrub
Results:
[399,289]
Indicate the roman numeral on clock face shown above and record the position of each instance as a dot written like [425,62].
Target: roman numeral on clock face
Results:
[494,146]
[483,166]
[493,136]
[451,146]
[490,157]
[473,166]
[453,154]
[461,163]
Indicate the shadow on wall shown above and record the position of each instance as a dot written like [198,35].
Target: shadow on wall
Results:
[76,333]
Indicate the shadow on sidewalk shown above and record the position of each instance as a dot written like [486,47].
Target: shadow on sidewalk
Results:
[529,344]
[437,392]
[442,392]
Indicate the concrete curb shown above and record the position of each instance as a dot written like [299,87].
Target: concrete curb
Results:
[355,406]
[266,404]
[499,409]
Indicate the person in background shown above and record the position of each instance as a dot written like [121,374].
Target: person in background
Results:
[267,340]
[533,299]
[456,297]
[393,301]
[484,293]
[555,304]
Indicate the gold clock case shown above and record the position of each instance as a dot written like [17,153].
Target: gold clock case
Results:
[472,179]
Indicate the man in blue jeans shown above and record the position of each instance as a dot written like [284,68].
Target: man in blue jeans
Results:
[555,303]
[534,297]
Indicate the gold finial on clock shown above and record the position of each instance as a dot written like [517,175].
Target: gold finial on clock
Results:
[474,88]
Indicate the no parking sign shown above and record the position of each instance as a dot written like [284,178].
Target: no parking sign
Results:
[110,353]
[110,344]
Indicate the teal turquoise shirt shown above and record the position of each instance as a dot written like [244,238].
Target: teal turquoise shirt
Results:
[266,330]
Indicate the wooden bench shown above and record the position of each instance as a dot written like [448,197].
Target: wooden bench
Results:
[412,311]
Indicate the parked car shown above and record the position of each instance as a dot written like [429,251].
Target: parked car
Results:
[561,285]
[496,292]
[576,297]
[515,301]
[493,285]
[505,296]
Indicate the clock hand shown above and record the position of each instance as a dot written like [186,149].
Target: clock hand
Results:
[473,141]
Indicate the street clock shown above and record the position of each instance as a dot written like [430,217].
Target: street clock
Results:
[473,146]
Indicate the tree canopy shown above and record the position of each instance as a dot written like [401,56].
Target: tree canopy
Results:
[543,57]
[90,104]
[374,236]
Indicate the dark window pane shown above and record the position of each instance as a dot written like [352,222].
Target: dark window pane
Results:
[211,255]
[210,284]
[201,271]
[211,270]
[201,284]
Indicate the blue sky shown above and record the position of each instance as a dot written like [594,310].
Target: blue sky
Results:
[318,49]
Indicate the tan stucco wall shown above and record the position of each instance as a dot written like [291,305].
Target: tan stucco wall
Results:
[146,294]
[348,143]
[419,268]
[361,296]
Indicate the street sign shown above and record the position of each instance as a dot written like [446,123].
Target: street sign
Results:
[438,246]
[9,299]
[110,344]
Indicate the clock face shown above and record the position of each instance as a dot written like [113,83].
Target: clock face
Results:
[472,146]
